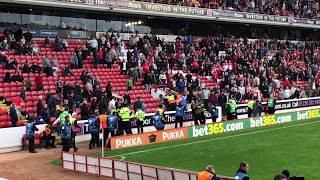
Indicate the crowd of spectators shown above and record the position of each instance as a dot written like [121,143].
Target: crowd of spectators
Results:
[295,8]
[241,68]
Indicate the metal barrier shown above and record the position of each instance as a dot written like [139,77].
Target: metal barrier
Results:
[123,170]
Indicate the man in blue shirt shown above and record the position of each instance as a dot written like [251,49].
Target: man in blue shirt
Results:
[66,130]
[30,131]
[179,115]
[241,174]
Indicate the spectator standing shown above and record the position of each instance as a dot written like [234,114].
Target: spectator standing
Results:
[206,94]
[130,83]
[137,104]
[23,94]
[45,114]
[13,115]
[93,47]
[109,90]
[39,105]
[7,77]
[39,82]
[74,61]
[127,98]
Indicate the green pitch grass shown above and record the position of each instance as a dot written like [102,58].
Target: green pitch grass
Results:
[294,146]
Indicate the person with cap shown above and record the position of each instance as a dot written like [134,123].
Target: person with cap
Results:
[125,115]
[75,127]
[30,131]
[66,134]
[208,174]
[242,172]
[140,119]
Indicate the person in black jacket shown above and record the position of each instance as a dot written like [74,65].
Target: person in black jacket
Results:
[28,37]
[26,67]
[127,98]
[109,90]
[7,77]
[85,110]
[39,105]
[45,114]
[13,115]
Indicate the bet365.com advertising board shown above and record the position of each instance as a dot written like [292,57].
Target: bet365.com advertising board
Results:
[210,129]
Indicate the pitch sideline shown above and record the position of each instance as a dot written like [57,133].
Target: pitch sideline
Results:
[123,156]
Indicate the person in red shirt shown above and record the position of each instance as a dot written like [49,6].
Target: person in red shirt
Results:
[39,82]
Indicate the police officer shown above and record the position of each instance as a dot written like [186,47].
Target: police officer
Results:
[66,135]
[208,174]
[271,104]
[112,123]
[30,131]
[250,107]
[242,172]
[125,115]
[179,115]
[94,130]
[158,121]
[140,119]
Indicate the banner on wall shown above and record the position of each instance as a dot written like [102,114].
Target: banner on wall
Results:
[148,138]
[210,129]
[176,9]
[236,125]
[285,104]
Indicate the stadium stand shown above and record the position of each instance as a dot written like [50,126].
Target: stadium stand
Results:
[219,62]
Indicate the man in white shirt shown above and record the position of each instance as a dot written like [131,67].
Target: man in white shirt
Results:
[206,94]
[93,46]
